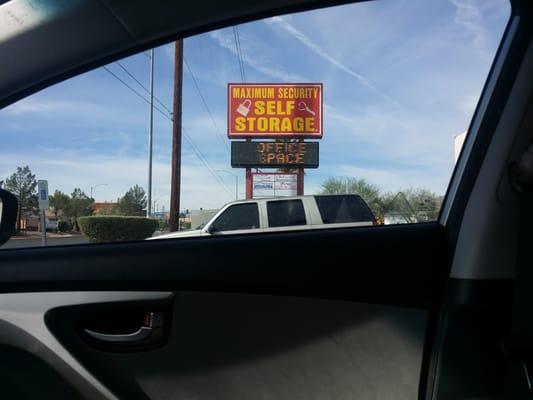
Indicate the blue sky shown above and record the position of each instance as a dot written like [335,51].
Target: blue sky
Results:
[401,79]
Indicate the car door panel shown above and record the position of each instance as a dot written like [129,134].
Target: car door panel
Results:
[286,315]
[238,346]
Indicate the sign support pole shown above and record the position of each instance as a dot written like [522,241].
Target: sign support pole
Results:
[42,188]
[43,227]
[300,182]
[300,178]
[249,184]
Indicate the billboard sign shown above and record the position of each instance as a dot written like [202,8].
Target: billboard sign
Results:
[273,185]
[274,155]
[274,110]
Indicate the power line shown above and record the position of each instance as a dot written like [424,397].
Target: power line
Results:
[202,158]
[238,54]
[241,53]
[195,148]
[205,104]
[170,112]
[141,85]
[125,84]
[136,92]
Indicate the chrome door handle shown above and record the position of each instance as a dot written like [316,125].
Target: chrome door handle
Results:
[152,322]
[142,334]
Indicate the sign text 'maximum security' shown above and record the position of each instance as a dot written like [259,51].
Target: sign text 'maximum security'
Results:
[270,92]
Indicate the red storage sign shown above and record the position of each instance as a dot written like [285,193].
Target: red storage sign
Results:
[274,110]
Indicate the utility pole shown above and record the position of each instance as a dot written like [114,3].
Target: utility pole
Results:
[150,136]
[175,186]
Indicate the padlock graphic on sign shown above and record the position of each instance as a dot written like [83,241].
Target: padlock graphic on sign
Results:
[244,107]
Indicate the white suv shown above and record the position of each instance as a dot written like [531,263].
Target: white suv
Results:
[283,214]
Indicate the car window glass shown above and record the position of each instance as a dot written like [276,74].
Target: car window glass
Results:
[285,213]
[241,216]
[343,209]
[372,99]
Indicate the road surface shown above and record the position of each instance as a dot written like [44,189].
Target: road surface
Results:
[36,242]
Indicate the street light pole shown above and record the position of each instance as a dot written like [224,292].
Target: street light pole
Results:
[236,182]
[150,135]
[156,200]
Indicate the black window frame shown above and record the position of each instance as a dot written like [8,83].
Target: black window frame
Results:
[370,217]
[258,220]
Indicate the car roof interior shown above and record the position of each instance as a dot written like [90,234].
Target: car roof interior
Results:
[100,31]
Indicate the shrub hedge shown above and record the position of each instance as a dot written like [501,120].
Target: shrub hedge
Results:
[106,228]
[64,226]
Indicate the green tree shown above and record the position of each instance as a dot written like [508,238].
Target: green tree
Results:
[80,206]
[133,203]
[23,185]
[60,202]
[425,203]
[334,186]
[398,204]
[412,205]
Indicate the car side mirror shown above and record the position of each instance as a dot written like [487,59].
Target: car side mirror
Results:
[211,229]
[8,215]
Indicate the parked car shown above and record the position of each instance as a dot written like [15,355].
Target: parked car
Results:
[284,213]
[52,225]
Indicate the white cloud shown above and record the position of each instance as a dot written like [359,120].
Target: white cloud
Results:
[72,170]
[125,145]
[307,42]
[469,104]
[64,111]
[169,51]
[226,41]
[397,179]
[34,105]
[387,179]
[468,16]
[391,135]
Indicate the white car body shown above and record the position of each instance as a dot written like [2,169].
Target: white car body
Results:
[52,225]
[312,214]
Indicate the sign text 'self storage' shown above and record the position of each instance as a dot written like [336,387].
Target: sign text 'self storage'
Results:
[275,110]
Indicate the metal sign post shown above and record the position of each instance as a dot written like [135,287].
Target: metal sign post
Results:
[249,187]
[42,187]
